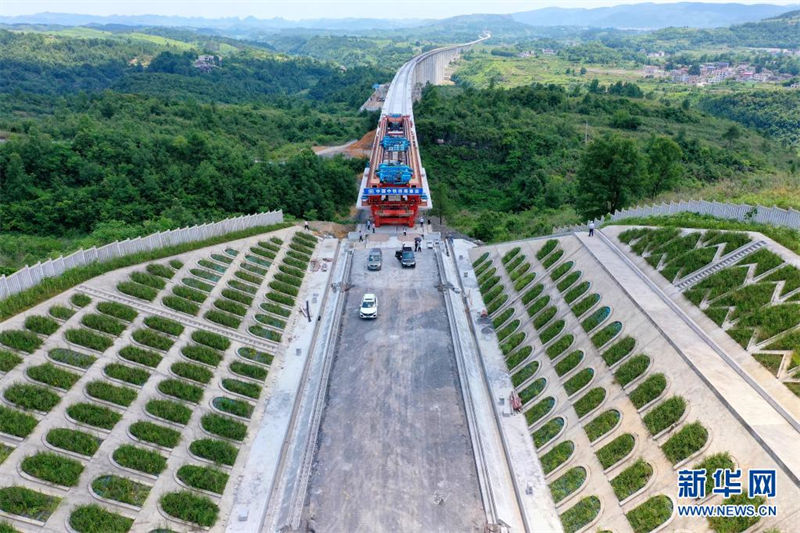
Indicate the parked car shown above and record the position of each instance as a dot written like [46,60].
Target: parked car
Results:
[406,256]
[369,306]
[375,259]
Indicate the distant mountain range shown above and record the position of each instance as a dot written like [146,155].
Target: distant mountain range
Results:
[633,16]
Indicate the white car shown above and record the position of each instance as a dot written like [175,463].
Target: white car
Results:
[369,306]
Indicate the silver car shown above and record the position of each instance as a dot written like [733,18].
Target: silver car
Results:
[375,259]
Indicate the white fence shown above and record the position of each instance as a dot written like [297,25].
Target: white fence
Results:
[774,216]
[31,275]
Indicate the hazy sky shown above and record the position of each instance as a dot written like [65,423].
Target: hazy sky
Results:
[305,9]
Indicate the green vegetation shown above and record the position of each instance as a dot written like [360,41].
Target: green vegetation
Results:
[651,514]
[567,483]
[140,459]
[233,407]
[80,300]
[254,355]
[61,312]
[117,310]
[53,468]
[211,339]
[580,514]
[532,391]
[223,319]
[137,290]
[250,278]
[181,390]
[189,294]
[160,270]
[13,422]
[121,489]
[104,323]
[585,304]
[159,435]
[31,397]
[203,478]
[739,523]
[595,318]
[271,321]
[602,337]
[250,371]
[231,307]
[181,304]
[552,330]
[539,409]
[134,376]
[205,263]
[562,269]
[94,415]
[547,432]
[601,424]
[552,259]
[508,330]
[102,390]
[8,360]
[712,463]
[164,325]
[244,388]
[169,410]
[544,317]
[203,354]
[517,357]
[589,401]
[569,362]
[616,450]
[41,324]
[648,390]
[24,341]
[631,369]
[567,282]
[560,346]
[631,479]
[224,427]
[73,441]
[49,374]
[690,439]
[548,247]
[152,339]
[237,296]
[217,451]
[557,456]
[192,372]
[141,356]
[575,292]
[665,414]
[619,350]
[28,503]
[197,284]
[524,373]
[148,279]
[189,507]
[578,381]
[495,304]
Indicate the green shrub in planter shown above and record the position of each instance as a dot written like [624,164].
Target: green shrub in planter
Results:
[562,269]
[250,278]
[212,266]
[552,259]
[271,321]
[690,439]
[134,376]
[218,451]
[480,260]
[244,388]
[508,330]
[567,282]
[24,341]
[289,279]
[117,310]
[176,264]
[41,324]
[74,441]
[651,514]
[80,300]
[192,372]
[111,393]
[49,374]
[735,524]
[140,459]
[94,415]
[544,317]
[664,415]
[254,269]
[532,391]
[181,304]
[269,246]
[164,325]
[72,358]
[569,362]
[524,373]
[203,354]
[280,298]
[8,360]
[551,331]
[223,319]
[631,369]
[254,355]
[517,357]
[224,426]
[238,285]
[189,294]
[258,260]
[567,483]
[500,319]
[203,478]
[61,312]
[297,256]
[594,320]
[152,339]
[121,489]
[606,334]
[265,333]
[104,323]
[547,432]
[285,288]
[262,252]
[160,270]
[539,410]
[548,247]
[205,274]
[143,292]
[16,423]
[89,339]
[532,293]
[148,280]
[631,479]
[616,450]
[496,304]
[712,463]
[512,342]
[197,284]
[222,258]
[231,307]
[181,390]
[190,507]
[211,339]
[575,292]
[251,371]
[234,407]
[169,410]
[298,246]
[28,503]
[601,424]
[53,467]
[141,356]
[578,381]
[557,456]
[31,397]
[509,255]
[560,346]
[237,296]
[159,435]
[619,350]
[580,514]
[589,401]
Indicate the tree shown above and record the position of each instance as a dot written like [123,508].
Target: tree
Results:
[694,70]
[609,175]
[664,164]
[441,201]
[732,134]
